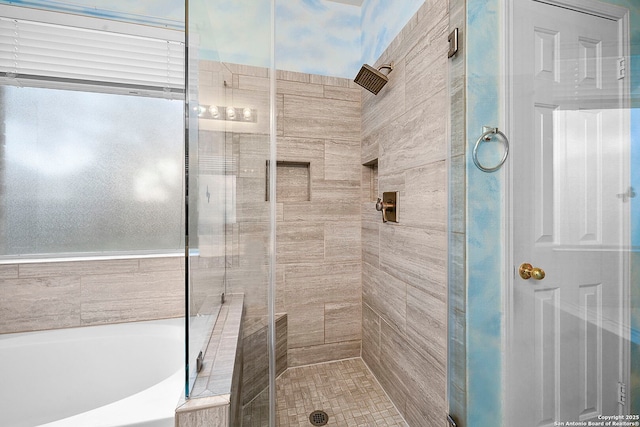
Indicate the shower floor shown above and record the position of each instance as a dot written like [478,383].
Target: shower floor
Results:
[346,390]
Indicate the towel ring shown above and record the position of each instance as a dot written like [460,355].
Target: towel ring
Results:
[485,137]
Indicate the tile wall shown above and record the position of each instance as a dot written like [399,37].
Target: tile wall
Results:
[318,240]
[318,253]
[255,372]
[405,132]
[51,295]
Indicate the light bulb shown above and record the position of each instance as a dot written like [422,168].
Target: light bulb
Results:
[247,113]
[213,110]
[201,110]
[231,113]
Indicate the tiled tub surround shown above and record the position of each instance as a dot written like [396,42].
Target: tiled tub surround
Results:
[215,397]
[53,295]
[404,275]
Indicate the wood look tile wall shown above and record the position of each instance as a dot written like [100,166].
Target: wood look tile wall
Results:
[404,279]
[319,241]
[204,412]
[51,295]
[255,372]
[319,251]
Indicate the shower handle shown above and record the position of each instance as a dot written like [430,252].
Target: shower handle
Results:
[527,271]
[382,206]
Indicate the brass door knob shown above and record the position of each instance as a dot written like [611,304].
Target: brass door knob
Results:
[527,271]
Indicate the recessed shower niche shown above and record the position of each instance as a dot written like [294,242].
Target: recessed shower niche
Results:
[370,181]
[293,181]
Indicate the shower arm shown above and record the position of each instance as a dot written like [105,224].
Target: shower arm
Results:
[388,66]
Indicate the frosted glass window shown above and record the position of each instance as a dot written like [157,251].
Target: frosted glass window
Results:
[89,173]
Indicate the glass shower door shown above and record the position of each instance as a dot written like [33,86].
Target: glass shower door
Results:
[207,204]
[230,134]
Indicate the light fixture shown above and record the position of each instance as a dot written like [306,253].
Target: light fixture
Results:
[229,113]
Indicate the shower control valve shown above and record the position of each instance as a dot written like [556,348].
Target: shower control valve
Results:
[388,205]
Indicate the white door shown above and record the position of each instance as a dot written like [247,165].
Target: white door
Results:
[569,146]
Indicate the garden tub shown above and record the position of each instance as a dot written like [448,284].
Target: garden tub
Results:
[129,374]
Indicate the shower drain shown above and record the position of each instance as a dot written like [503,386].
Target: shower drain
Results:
[318,418]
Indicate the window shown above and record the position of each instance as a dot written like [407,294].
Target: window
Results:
[87,167]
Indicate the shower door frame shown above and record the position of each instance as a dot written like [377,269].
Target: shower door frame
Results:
[601,9]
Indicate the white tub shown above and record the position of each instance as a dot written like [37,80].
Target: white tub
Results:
[128,374]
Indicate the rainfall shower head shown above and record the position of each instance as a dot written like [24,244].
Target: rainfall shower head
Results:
[372,79]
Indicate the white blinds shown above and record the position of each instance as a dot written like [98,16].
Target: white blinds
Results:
[37,51]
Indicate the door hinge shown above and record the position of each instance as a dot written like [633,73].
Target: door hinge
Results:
[453,43]
[622,393]
[629,194]
[622,68]
[199,362]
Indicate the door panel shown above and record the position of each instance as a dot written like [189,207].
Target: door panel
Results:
[590,357]
[547,353]
[543,180]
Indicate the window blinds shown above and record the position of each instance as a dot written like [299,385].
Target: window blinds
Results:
[32,51]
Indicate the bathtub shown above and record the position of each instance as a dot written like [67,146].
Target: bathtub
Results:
[129,374]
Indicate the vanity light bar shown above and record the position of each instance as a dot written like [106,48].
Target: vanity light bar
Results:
[234,114]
